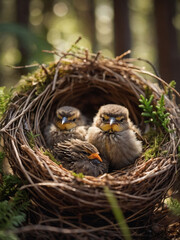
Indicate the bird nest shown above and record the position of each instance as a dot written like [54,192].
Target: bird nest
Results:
[70,204]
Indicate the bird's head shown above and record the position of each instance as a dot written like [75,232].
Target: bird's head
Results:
[77,149]
[86,151]
[112,118]
[68,117]
[80,157]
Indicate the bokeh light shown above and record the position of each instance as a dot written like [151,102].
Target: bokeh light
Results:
[58,24]
[60,9]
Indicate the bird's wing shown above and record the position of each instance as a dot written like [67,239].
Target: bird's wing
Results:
[136,130]
[81,132]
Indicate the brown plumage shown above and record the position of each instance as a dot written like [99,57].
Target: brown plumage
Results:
[68,123]
[113,134]
[80,157]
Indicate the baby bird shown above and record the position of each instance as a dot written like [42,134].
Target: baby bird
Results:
[80,157]
[68,123]
[113,134]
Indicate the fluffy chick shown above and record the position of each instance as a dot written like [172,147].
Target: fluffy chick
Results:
[80,157]
[68,123]
[114,136]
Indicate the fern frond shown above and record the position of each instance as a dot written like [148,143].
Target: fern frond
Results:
[6,235]
[157,114]
[9,186]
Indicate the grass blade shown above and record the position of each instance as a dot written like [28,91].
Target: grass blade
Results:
[118,214]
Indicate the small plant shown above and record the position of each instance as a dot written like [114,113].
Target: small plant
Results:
[172,84]
[174,206]
[168,89]
[156,115]
[161,113]
[118,214]
[148,109]
[9,186]
[12,215]
[13,203]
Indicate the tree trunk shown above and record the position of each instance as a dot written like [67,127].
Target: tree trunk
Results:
[22,18]
[169,59]
[122,38]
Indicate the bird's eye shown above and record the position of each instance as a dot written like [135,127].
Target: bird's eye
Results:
[121,120]
[95,161]
[84,153]
[104,118]
[74,119]
[59,116]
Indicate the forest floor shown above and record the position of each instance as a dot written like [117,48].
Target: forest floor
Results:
[171,233]
[168,229]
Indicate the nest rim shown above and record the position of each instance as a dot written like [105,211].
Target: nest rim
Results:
[95,76]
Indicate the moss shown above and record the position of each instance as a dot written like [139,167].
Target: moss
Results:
[78,175]
[155,140]
[174,206]
[5,97]
[31,139]
[40,78]
[151,152]
[50,155]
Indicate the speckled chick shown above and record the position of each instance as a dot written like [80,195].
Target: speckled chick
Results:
[80,157]
[114,135]
[68,123]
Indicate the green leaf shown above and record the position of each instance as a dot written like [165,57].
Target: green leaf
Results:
[150,99]
[157,114]
[9,186]
[172,84]
[146,114]
[141,106]
[118,214]
[10,216]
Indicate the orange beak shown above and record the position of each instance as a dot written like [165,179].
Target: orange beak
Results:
[95,156]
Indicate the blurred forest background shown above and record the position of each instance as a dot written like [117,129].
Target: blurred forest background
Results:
[150,28]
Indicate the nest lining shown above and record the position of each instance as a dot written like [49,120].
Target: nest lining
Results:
[87,82]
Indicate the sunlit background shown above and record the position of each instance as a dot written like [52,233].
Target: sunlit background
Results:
[27,27]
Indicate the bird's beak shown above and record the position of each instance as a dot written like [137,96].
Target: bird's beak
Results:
[64,120]
[112,120]
[95,156]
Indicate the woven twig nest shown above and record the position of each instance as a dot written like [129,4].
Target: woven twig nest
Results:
[75,206]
